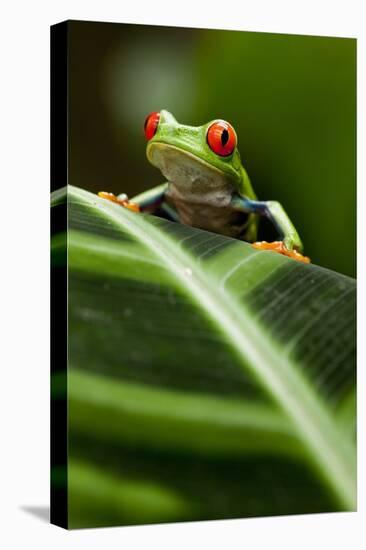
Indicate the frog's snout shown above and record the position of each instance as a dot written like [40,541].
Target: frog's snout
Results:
[167,118]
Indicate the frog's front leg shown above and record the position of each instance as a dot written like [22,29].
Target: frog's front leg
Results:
[152,199]
[148,201]
[291,244]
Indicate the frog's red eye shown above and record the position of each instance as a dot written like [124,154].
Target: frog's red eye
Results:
[151,125]
[221,138]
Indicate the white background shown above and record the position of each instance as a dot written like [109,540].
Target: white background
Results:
[24,270]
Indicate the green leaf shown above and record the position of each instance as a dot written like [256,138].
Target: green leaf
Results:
[207,367]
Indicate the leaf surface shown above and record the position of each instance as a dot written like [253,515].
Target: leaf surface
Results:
[189,346]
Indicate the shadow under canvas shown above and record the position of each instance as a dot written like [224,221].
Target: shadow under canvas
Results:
[40,512]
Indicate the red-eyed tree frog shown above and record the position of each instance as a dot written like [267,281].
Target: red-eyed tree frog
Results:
[206,184]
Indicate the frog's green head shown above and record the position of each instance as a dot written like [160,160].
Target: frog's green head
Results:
[194,155]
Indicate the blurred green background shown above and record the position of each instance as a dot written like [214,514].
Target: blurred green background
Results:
[291,99]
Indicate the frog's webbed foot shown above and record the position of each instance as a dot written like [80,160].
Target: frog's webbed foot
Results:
[281,248]
[122,200]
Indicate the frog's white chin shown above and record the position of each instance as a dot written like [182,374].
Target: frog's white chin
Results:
[190,176]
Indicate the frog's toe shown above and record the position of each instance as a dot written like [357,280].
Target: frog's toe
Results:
[275,246]
[278,246]
[122,200]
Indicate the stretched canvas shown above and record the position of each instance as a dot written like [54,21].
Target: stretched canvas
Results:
[203,274]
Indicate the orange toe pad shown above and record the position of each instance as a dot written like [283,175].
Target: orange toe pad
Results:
[123,202]
[278,246]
